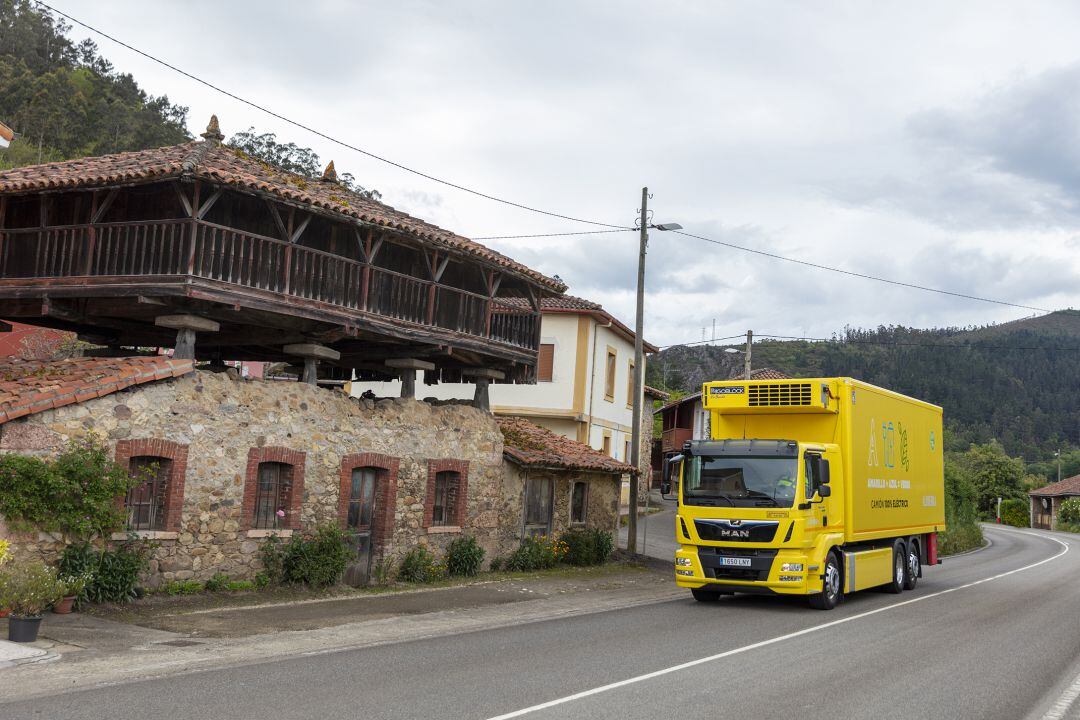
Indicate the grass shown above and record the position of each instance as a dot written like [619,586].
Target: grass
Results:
[960,537]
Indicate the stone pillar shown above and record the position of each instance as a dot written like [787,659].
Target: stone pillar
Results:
[186,326]
[483,377]
[408,368]
[312,353]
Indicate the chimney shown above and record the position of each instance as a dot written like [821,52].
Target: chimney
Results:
[329,174]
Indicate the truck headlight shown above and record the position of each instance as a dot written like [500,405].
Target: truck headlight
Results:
[791,567]
[684,562]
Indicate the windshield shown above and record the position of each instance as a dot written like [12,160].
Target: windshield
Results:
[741,481]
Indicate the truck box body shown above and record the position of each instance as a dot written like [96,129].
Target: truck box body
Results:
[882,458]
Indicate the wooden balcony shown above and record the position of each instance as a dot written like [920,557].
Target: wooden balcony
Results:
[673,439]
[135,262]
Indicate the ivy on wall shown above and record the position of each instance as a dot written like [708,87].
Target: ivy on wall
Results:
[78,493]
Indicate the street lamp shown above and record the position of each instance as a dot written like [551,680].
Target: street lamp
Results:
[639,368]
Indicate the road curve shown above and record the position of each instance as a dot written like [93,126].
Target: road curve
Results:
[993,634]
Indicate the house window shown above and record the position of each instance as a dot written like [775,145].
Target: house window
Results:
[545,363]
[606,446]
[537,506]
[609,377]
[578,498]
[630,384]
[447,493]
[273,495]
[146,502]
[444,509]
[626,451]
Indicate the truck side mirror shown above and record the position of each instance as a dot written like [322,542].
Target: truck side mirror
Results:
[823,471]
[672,466]
[824,491]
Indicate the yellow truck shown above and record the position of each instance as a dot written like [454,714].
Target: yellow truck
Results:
[815,487]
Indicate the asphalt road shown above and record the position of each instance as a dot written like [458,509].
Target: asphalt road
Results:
[1004,647]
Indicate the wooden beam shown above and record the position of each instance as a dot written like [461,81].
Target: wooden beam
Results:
[183,199]
[194,235]
[441,269]
[104,206]
[300,230]
[205,207]
[277,219]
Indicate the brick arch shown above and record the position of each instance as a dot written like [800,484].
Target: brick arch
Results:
[461,467]
[177,454]
[385,492]
[273,453]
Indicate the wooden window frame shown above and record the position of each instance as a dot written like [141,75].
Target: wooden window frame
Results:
[584,504]
[630,383]
[286,456]
[611,360]
[382,524]
[539,364]
[606,443]
[461,467]
[177,454]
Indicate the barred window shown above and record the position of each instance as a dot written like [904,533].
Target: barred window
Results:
[444,509]
[146,501]
[273,495]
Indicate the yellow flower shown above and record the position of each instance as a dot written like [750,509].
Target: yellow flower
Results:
[5,551]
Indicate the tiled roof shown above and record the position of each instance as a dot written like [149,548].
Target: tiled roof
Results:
[33,386]
[656,393]
[768,374]
[1068,486]
[222,164]
[530,445]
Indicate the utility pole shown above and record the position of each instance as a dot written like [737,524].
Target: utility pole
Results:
[746,360]
[1058,456]
[639,369]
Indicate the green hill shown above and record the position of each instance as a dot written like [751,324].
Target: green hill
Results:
[1018,382]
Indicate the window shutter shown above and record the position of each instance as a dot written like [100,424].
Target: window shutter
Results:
[545,363]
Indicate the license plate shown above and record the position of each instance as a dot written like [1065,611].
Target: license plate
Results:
[736,562]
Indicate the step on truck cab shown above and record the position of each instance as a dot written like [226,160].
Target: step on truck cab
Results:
[808,487]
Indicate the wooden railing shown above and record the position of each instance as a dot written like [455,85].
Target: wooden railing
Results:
[205,250]
[674,438]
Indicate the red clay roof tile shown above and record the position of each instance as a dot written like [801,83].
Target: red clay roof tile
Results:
[530,445]
[1068,486]
[33,386]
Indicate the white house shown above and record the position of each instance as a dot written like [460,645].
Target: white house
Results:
[584,388]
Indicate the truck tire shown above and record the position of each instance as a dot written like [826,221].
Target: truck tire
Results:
[899,571]
[914,561]
[831,586]
[703,595]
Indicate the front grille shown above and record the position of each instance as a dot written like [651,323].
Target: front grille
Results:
[761,562]
[744,574]
[754,531]
[779,394]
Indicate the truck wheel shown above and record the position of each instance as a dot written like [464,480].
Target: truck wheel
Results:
[831,591]
[899,572]
[703,595]
[913,563]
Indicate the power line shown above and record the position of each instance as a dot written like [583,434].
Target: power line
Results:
[880,343]
[547,235]
[860,275]
[323,135]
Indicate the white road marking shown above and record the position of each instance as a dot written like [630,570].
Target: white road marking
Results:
[1059,710]
[775,640]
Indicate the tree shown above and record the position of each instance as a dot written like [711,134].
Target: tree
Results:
[292,158]
[992,474]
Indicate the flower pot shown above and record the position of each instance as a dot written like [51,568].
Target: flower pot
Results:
[63,607]
[4,612]
[23,629]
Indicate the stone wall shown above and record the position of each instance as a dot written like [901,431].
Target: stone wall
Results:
[602,503]
[221,419]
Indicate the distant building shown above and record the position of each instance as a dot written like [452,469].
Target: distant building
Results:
[1046,501]
[6,135]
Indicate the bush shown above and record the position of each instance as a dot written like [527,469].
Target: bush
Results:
[536,553]
[182,587]
[419,566]
[262,579]
[219,582]
[496,563]
[1069,511]
[28,588]
[1015,512]
[587,546]
[463,557]
[114,574]
[239,585]
[317,560]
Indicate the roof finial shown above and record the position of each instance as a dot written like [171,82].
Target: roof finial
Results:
[213,131]
[330,174]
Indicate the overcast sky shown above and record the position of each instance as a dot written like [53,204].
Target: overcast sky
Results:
[929,142]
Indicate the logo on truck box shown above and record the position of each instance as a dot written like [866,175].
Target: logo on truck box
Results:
[729,390]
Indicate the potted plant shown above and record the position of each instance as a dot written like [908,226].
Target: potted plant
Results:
[73,588]
[28,588]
